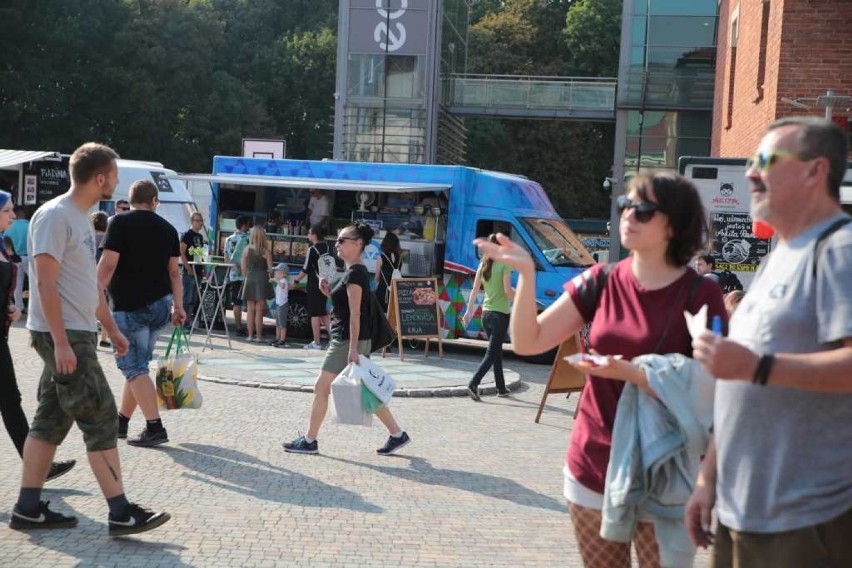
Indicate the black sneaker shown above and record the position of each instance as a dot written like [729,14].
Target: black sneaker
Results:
[148,439]
[301,446]
[122,429]
[58,469]
[136,519]
[393,444]
[43,518]
[503,394]
[473,392]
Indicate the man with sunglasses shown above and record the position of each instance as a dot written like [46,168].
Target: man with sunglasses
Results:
[780,470]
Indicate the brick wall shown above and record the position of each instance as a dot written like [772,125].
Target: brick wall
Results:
[808,50]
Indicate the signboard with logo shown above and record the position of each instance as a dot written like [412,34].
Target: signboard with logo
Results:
[44,180]
[399,27]
[726,196]
[413,311]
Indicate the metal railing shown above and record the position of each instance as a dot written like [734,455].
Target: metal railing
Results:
[527,94]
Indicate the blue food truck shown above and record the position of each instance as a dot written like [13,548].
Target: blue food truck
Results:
[436,210]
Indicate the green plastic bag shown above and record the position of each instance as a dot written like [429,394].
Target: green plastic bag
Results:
[369,401]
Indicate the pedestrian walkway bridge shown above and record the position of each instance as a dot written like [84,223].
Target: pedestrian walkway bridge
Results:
[521,96]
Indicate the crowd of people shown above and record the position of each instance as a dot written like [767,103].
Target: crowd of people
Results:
[747,416]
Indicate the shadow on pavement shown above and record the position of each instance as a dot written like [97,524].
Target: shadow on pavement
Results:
[421,471]
[109,551]
[247,475]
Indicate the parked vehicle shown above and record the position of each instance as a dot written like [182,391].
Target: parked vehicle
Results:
[436,210]
[38,176]
[725,193]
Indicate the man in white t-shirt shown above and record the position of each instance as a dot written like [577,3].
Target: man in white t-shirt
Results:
[318,208]
[779,468]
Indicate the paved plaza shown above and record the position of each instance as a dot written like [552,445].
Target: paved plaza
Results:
[480,484]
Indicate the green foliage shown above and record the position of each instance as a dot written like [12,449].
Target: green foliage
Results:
[176,81]
[536,37]
[592,34]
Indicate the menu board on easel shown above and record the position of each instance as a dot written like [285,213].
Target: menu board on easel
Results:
[564,377]
[413,311]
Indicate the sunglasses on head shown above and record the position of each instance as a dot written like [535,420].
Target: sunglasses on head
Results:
[341,240]
[642,210]
[762,160]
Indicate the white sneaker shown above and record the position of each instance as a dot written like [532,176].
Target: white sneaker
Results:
[313,346]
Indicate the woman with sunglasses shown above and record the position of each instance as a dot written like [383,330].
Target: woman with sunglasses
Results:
[634,307]
[10,397]
[350,337]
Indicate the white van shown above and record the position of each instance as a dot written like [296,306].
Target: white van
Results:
[176,204]
[35,177]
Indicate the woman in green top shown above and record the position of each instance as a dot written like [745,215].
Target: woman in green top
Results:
[494,278]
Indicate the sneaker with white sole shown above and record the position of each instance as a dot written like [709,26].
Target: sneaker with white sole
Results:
[301,446]
[393,444]
[41,518]
[136,519]
[312,346]
[58,469]
[148,439]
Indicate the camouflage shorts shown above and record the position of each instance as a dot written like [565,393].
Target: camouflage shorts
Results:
[83,397]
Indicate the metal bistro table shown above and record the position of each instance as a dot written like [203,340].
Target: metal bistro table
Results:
[215,280]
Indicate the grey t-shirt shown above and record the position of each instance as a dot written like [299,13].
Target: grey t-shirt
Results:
[785,455]
[62,230]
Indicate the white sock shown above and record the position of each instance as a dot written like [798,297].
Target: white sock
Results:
[309,440]
[398,434]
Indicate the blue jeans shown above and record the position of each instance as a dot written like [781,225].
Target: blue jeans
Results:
[496,325]
[141,328]
[190,294]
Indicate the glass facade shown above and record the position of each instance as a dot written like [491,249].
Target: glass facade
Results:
[385,115]
[666,88]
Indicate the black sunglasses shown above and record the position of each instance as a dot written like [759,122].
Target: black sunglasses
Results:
[341,240]
[642,210]
[122,208]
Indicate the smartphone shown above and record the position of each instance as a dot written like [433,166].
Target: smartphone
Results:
[596,359]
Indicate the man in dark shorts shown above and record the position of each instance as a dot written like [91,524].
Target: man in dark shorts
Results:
[316,301]
[144,282]
[234,247]
[64,310]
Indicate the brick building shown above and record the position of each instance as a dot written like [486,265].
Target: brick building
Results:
[771,52]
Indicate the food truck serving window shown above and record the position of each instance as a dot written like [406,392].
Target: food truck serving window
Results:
[557,243]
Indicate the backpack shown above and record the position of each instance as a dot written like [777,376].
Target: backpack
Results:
[381,332]
[728,281]
[822,241]
[240,245]
[326,265]
[395,275]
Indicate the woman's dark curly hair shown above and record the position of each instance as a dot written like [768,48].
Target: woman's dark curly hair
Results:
[678,198]
[365,233]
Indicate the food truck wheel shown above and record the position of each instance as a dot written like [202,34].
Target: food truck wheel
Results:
[298,320]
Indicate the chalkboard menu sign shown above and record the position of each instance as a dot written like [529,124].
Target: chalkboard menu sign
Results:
[413,310]
[734,245]
[50,177]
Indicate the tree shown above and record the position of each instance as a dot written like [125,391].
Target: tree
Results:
[569,159]
[593,37]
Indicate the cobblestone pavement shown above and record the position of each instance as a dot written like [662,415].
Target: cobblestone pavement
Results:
[480,484]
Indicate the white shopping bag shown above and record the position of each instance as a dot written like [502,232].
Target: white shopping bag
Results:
[376,379]
[346,391]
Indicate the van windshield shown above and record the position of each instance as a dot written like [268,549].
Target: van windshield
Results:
[559,245]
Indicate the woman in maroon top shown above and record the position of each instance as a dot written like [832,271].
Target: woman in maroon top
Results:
[634,308]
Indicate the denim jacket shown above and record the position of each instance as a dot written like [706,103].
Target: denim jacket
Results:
[657,445]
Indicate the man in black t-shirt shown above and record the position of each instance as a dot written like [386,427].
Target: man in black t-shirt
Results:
[191,242]
[316,302]
[140,266]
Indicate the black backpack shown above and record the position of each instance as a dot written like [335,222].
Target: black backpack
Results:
[381,332]
[728,281]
